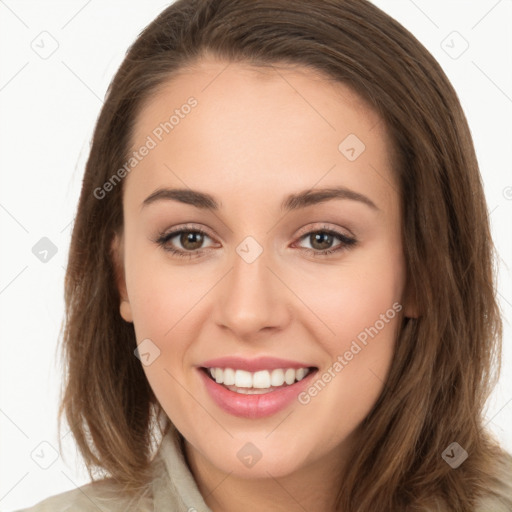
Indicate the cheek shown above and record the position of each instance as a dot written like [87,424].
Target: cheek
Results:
[364,293]
[162,306]
[362,307]
[167,300]
[159,292]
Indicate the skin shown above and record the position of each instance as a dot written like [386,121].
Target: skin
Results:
[256,136]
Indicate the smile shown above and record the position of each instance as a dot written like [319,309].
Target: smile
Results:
[263,381]
[245,399]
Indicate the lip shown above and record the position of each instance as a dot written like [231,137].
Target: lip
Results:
[254,365]
[254,406]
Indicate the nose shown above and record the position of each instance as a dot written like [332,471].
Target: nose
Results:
[252,299]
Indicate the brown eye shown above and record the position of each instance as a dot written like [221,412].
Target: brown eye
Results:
[186,243]
[191,240]
[189,243]
[321,240]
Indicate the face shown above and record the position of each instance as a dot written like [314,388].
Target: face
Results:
[269,271]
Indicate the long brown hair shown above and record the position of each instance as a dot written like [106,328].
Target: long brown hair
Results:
[446,361]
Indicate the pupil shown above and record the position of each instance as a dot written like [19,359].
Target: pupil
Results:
[188,237]
[322,240]
[327,240]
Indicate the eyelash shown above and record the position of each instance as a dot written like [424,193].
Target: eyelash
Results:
[164,238]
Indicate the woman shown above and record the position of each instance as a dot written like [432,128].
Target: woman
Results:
[346,374]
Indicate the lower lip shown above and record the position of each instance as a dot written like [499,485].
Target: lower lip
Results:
[254,406]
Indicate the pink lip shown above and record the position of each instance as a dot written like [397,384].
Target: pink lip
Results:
[253,365]
[254,406]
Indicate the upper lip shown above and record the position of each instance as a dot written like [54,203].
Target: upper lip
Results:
[253,365]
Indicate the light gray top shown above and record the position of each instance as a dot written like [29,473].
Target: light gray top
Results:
[173,489]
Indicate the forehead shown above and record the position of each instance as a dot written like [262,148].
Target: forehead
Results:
[215,82]
[259,127]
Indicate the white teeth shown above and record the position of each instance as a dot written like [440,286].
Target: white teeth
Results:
[263,379]
[243,379]
[249,391]
[289,376]
[277,378]
[300,373]
[229,377]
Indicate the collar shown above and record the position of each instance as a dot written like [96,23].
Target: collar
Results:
[174,487]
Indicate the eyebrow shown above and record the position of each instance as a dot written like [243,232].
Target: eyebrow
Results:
[295,201]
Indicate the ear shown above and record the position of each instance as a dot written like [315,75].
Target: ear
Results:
[117,255]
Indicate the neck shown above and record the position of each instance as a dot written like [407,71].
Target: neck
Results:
[313,488]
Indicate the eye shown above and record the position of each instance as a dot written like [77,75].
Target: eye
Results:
[190,240]
[321,242]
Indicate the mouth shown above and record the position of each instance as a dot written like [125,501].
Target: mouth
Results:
[259,382]
[258,394]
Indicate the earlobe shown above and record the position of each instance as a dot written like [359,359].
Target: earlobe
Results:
[126,311]
[116,253]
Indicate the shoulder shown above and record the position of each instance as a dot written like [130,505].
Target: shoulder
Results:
[101,495]
[498,498]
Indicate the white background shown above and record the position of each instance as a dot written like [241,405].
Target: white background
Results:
[48,110]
